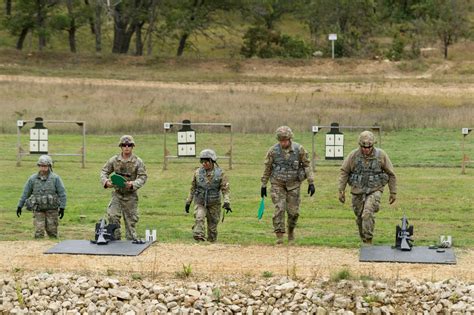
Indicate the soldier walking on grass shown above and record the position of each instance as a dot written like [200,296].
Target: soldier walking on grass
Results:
[286,166]
[45,195]
[124,200]
[209,182]
[367,170]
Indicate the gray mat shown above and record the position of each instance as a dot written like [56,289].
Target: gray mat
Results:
[418,254]
[114,248]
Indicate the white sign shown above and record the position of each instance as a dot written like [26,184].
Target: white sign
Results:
[332,37]
[167,125]
[465,131]
[315,128]
[19,123]
[330,139]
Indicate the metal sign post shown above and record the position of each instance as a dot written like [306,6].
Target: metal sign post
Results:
[465,158]
[332,38]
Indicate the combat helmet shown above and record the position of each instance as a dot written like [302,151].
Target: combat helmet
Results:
[126,139]
[284,133]
[45,160]
[208,154]
[366,139]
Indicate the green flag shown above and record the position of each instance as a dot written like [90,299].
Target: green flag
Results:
[118,180]
[261,209]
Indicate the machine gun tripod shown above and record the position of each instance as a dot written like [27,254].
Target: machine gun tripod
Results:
[104,232]
[403,235]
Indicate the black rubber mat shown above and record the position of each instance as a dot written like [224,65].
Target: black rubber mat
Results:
[418,254]
[113,248]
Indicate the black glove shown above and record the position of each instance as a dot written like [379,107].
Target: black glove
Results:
[263,192]
[227,208]
[18,211]
[311,189]
[186,207]
[61,213]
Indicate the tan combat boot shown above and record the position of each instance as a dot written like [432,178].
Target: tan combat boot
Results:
[291,236]
[279,236]
[367,242]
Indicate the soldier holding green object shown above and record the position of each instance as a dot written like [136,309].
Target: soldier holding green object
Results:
[286,166]
[209,182]
[44,194]
[124,197]
[118,180]
[367,170]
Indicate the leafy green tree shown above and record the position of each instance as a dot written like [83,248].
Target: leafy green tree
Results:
[30,16]
[8,7]
[353,21]
[396,11]
[129,17]
[263,39]
[267,13]
[447,19]
[187,18]
[76,15]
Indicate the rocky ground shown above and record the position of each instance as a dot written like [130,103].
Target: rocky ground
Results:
[219,279]
[67,293]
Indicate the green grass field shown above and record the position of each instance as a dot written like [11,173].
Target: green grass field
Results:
[437,199]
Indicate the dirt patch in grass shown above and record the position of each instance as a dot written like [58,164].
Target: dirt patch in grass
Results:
[218,260]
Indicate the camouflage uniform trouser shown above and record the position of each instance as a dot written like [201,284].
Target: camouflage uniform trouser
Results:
[285,201]
[365,207]
[126,206]
[212,213]
[46,220]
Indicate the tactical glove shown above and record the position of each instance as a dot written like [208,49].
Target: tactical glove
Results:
[263,192]
[61,213]
[311,189]
[18,211]
[392,198]
[342,196]
[186,207]
[227,208]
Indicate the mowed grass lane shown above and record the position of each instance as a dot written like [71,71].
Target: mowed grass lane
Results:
[437,199]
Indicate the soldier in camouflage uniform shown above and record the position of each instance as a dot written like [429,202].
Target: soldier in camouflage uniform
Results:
[209,182]
[286,166]
[367,170]
[44,194]
[125,200]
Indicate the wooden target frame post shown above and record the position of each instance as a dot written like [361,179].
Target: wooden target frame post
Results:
[168,126]
[316,129]
[21,152]
[465,158]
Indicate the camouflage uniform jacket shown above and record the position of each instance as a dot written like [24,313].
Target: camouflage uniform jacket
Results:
[133,169]
[349,166]
[224,186]
[304,164]
[36,182]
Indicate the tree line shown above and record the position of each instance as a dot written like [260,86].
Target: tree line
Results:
[146,24]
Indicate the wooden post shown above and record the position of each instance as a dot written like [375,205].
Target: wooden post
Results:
[84,144]
[464,157]
[231,148]
[18,147]
[313,153]
[165,160]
